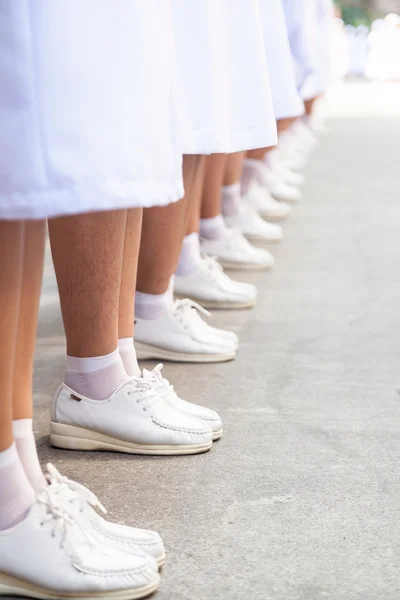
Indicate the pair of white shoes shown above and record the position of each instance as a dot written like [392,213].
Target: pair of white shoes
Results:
[144,416]
[65,549]
[211,287]
[234,251]
[181,334]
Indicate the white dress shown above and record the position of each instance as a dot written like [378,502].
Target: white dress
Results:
[223,76]
[286,99]
[86,107]
[303,59]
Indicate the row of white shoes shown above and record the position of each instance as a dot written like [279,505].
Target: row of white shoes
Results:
[64,548]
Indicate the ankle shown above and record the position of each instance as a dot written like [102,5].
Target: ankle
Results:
[153,306]
[96,377]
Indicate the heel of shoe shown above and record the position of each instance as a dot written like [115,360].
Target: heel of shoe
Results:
[69,437]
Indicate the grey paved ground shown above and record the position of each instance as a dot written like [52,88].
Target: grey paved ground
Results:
[300,500]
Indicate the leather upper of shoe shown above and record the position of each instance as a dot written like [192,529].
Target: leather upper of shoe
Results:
[49,549]
[234,247]
[164,387]
[135,413]
[211,283]
[250,223]
[81,502]
[183,330]
[262,201]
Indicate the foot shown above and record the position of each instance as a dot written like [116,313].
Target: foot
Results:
[212,288]
[135,420]
[82,503]
[49,555]
[248,221]
[181,335]
[278,164]
[278,188]
[163,387]
[267,207]
[233,251]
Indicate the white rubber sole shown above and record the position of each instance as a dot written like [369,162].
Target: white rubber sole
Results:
[161,561]
[291,201]
[259,238]
[17,587]
[242,266]
[220,304]
[70,437]
[148,352]
[217,435]
[274,218]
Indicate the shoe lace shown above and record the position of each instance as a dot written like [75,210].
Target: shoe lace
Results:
[211,267]
[62,521]
[156,378]
[77,492]
[188,312]
[143,390]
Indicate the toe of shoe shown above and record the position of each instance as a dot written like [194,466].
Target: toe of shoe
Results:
[133,539]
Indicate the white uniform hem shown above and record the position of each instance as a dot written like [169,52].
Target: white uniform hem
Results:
[89,197]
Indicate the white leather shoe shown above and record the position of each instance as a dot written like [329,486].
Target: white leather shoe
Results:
[49,555]
[181,335]
[212,288]
[248,221]
[163,387]
[135,420]
[278,188]
[277,163]
[266,206]
[82,503]
[233,251]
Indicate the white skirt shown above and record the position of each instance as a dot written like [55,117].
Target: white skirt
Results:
[86,107]
[223,76]
[318,24]
[286,99]
[303,59]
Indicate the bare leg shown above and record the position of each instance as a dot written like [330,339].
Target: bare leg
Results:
[213,179]
[129,273]
[11,256]
[162,234]
[88,253]
[233,168]
[309,105]
[31,283]
[34,244]
[259,153]
[284,124]
[194,205]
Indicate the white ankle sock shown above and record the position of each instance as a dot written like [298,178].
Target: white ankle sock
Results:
[16,493]
[190,256]
[213,229]
[127,352]
[251,172]
[26,447]
[97,377]
[230,196]
[153,306]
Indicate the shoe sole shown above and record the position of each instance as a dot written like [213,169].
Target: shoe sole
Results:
[219,304]
[240,266]
[17,587]
[274,218]
[148,352]
[161,561]
[70,437]
[259,238]
[217,435]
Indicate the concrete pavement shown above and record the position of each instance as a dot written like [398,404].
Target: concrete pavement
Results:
[300,499]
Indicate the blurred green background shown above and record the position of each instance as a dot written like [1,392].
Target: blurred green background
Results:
[363,12]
